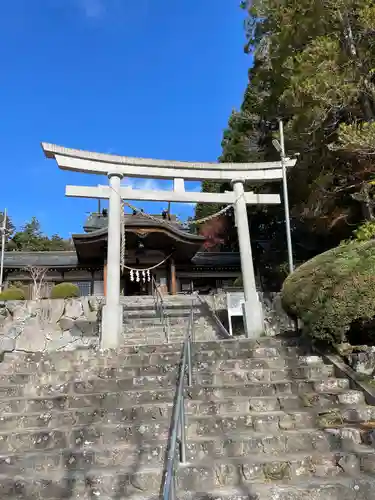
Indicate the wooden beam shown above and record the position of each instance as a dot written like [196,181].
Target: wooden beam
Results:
[173,287]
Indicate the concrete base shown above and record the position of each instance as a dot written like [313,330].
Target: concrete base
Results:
[253,318]
[111,326]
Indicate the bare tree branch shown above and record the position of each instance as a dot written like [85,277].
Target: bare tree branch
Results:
[37,274]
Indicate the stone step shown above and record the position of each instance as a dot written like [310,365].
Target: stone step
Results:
[144,300]
[177,319]
[256,382]
[344,487]
[71,361]
[153,452]
[233,444]
[142,333]
[157,329]
[263,375]
[234,471]
[121,482]
[105,426]
[104,364]
[161,339]
[56,412]
[209,395]
[224,349]
[270,422]
[171,310]
[341,488]
[322,401]
[260,389]
[127,378]
[55,419]
[202,352]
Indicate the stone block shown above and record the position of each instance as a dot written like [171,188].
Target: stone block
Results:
[86,327]
[7,344]
[349,464]
[66,323]
[363,362]
[73,308]
[32,338]
[56,307]
[62,341]
[266,424]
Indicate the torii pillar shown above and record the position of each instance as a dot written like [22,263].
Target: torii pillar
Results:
[112,310]
[251,309]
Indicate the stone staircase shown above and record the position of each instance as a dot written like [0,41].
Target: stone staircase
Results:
[142,325]
[266,421]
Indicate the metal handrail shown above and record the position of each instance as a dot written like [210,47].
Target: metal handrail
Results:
[160,308]
[223,331]
[178,422]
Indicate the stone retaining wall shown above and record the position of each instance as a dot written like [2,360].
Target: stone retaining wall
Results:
[49,325]
[67,324]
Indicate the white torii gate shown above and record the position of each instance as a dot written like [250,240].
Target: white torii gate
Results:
[117,167]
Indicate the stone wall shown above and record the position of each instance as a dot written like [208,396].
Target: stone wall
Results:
[276,320]
[49,325]
[58,324]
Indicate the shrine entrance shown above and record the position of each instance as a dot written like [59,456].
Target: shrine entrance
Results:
[117,167]
[131,287]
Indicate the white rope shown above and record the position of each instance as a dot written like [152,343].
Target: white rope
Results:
[123,249]
[134,269]
[193,222]
[158,221]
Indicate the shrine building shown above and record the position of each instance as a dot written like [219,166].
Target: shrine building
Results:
[156,247]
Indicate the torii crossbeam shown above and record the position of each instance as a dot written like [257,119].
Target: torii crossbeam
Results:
[117,167]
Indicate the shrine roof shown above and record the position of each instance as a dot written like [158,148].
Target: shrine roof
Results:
[44,259]
[67,259]
[216,258]
[97,221]
[164,235]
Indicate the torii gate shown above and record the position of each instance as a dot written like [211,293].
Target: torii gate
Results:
[117,167]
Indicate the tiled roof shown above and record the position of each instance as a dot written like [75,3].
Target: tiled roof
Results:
[48,259]
[216,258]
[69,259]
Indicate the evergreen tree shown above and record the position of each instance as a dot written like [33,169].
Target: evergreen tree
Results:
[31,238]
[312,66]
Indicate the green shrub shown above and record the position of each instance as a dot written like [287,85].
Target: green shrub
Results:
[334,291]
[65,291]
[12,294]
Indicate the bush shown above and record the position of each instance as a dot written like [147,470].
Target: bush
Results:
[334,292]
[12,294]
[65,291]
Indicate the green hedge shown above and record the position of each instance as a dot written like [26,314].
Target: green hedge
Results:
[65,291]
[334,291]
[12,294]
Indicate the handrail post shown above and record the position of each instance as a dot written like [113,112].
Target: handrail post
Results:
[192,324]
[173,488]
[182,431]
[189,363]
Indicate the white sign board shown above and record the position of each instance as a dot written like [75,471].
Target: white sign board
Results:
[234,306]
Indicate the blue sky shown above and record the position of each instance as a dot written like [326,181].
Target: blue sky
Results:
[150,78]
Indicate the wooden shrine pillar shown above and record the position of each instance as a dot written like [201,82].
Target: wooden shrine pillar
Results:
[172,274]
[105,278]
